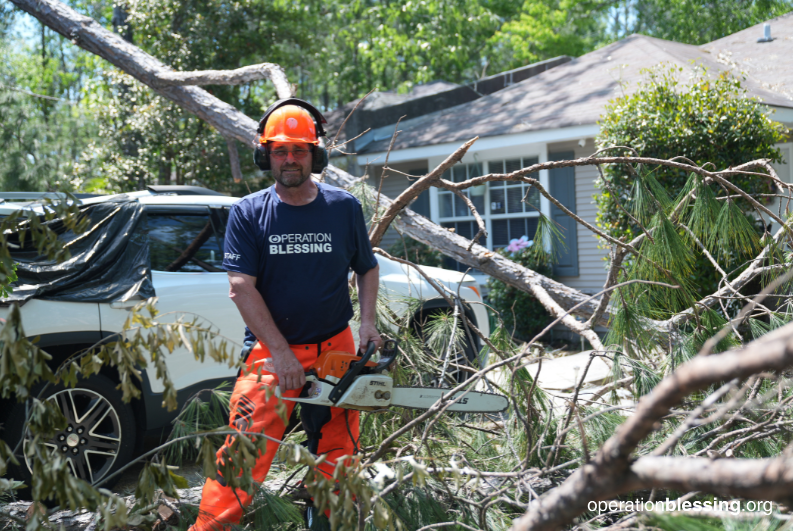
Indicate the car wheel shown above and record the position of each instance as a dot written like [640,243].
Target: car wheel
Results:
[100,433]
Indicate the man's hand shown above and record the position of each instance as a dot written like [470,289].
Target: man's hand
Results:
[367,296]
[288,369]
[368,333]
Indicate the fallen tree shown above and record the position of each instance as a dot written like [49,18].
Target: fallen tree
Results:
[232,124]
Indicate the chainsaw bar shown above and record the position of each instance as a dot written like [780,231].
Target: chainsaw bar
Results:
[425,397]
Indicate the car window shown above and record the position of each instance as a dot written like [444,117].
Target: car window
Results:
[219,216]
[184,242]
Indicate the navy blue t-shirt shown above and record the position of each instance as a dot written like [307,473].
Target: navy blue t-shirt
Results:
[300,256]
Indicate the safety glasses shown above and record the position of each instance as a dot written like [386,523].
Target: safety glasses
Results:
[281,154]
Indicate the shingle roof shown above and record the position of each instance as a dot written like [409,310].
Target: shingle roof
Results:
[575,93]
[378,100]
[770,64]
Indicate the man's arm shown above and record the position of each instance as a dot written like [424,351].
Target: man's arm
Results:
[258,318]
[368,284]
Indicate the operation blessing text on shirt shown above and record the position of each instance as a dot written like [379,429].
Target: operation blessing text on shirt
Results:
[312,242]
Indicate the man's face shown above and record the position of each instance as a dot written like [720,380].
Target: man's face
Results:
[290,162]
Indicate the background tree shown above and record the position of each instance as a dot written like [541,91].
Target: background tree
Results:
[44,122]
[143,139]
[115,135]
[691,22]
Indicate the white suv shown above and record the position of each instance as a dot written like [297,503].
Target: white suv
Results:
[103,432]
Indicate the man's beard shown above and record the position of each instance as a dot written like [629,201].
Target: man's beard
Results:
[292,180]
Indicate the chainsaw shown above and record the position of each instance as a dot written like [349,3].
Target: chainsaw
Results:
[344,380]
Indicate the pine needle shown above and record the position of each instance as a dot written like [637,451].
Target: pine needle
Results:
[645,378]
[643,205]
[269,512]
[703,215]
[659,193]
[733,236]
[548,241]
[629,329]
[669,250]
[692,182]
[710,322]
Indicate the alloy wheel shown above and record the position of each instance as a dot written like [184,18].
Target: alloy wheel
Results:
[91,440]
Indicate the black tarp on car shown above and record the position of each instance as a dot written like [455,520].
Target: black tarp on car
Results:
[109,260]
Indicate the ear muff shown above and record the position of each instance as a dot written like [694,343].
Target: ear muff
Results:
[320,161]
[320,155]
[261,158]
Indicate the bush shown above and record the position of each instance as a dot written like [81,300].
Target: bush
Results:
[708,121]
[419,253]
[522,314]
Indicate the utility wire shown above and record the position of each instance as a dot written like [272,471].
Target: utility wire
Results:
[16,89]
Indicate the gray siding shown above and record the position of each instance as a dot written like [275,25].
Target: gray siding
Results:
[591,264]
[393,185]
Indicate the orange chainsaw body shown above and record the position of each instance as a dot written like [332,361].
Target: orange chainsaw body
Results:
[335,363]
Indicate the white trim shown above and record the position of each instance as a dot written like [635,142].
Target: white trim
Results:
[545,205]
[443,150]
[787,150]
[787,176]
[434,207]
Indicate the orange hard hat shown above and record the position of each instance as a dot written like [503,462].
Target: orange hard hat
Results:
[290,123]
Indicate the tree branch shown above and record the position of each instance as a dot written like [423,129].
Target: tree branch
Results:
[240,76]
[610,472]
[757,479]
[404,199]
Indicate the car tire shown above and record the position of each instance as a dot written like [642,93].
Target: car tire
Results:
[100,435]
[469,351]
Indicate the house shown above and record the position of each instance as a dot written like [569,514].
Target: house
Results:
[548,111]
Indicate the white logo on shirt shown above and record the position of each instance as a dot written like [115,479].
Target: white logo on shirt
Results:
[310,242]
[231,256]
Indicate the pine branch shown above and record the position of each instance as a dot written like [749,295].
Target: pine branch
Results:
[611,473]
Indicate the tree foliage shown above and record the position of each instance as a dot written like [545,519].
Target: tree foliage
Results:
[43,127]
[105,132]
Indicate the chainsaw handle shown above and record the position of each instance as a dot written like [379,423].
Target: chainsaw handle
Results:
[387,356]
[370,348]
[355,369]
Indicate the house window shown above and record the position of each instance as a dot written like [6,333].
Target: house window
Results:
[509,209]
[514,205]
[504,230]
[452,206]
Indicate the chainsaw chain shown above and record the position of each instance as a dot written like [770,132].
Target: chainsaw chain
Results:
[465,412]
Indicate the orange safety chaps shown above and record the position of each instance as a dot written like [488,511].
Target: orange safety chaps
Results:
[332,431]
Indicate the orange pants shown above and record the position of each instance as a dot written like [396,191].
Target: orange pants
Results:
[336,429]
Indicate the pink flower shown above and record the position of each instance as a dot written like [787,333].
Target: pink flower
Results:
[517,245]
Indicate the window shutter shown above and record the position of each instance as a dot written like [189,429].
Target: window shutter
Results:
[563,189]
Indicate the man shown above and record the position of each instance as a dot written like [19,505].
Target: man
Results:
[288,251]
